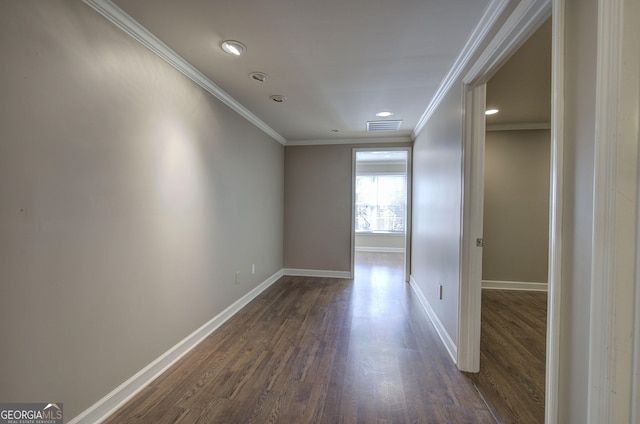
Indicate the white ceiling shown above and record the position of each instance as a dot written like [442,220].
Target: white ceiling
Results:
[338,62]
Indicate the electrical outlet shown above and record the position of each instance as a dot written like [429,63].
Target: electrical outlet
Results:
[440,292]
[237,277]
[253,268]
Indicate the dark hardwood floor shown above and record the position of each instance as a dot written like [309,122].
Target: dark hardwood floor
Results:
[512,355]
[318,350]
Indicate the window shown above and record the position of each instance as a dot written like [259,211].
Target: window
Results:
[381,203]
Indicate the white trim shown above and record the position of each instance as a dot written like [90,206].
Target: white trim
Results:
[380,249]
[317,273]
[470,294]
[328,141]
[106,406]
[365,234]
[362,236]
[132,27]
[605,223]
[514,285]
[409,216]
[354,173]
[492,13]
[519,126]
[446,339]
[556,193]
[524,21]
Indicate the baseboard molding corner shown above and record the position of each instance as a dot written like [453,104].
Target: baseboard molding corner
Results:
[451,347]
[293,272]
[514,285]
[110,403]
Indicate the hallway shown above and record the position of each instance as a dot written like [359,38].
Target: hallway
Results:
[318,350]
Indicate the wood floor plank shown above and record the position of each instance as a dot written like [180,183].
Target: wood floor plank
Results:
[318,350]
[512,355]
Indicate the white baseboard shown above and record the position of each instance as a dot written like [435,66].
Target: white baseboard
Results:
[316,273]
[380,249]
[106,406]
[514,285]
[442,332]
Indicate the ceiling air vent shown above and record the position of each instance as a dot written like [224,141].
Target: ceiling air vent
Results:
[383,125]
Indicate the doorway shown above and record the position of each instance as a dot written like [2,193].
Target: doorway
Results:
[502,48]
[381,206]
[515,235]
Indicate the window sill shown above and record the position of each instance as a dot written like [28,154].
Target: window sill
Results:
[379,233]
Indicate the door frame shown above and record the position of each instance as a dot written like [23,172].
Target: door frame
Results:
[407,229]
[525,19]
[468,355]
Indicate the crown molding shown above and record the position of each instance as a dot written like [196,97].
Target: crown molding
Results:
[524,21]
[122,20]
[480,32]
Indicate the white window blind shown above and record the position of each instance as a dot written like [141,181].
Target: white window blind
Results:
[381,203]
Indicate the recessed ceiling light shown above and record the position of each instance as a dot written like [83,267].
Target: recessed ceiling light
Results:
[278,98]
[384,114]
[233,47]
[491,111]
[259,76]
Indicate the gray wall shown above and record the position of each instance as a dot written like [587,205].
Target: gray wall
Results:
[516,206]
[317,208]
[129,199]
[435,239]
[317,211]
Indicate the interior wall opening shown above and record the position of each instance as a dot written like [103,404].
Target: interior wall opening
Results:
[381,208]
[515,233]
